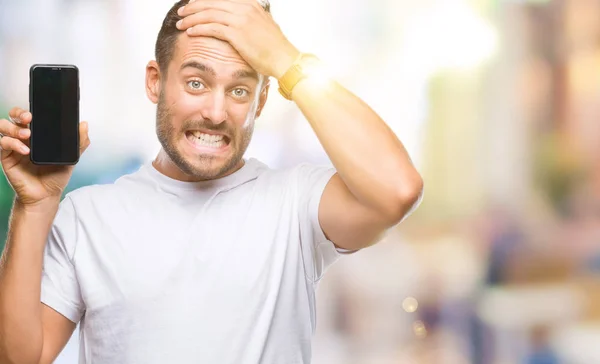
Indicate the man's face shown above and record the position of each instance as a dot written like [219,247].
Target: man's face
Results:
[206,108]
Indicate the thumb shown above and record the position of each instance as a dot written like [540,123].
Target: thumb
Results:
[84,138]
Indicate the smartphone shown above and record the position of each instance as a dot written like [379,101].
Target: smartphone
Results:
[54,105]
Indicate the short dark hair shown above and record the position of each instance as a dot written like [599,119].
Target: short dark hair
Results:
[167,36]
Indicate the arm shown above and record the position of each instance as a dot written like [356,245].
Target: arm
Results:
[376,185]
[30,332]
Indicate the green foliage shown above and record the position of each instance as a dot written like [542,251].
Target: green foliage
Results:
[6,198]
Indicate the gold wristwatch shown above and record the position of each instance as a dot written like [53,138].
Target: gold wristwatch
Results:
[299,70]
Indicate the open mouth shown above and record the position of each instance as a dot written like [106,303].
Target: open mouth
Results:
[203,140]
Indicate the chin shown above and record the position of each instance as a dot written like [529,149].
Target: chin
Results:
[209,168]
[207,165]
[204,159]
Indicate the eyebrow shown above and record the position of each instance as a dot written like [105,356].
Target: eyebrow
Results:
[200,66]
[245,74]
[204,68]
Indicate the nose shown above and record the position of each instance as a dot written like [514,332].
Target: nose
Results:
[215,108]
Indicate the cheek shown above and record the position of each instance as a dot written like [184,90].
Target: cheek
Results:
[184,106]
[242,114]
[185,101]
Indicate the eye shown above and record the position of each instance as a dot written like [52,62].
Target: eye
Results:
[195,85]
[240,92]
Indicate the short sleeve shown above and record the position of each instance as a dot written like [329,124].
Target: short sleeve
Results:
[318,252]
[60,288]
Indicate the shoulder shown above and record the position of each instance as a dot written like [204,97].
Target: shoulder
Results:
[309,169]
[126,185]
[87,193]
[299,181]
[307,176]
[297,172]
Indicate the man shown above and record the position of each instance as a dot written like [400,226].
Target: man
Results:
[201,256]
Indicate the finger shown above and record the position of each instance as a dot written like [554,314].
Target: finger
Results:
[24,119]
[15,112]
[214,30]
[84,138]
[19,116]
[9,129]
[206,17]
[201,5]
[9,144]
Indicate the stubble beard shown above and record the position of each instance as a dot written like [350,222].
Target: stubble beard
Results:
[207,166]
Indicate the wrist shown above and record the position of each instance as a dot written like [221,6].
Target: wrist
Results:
[46,205]
[285,61]
[305,66]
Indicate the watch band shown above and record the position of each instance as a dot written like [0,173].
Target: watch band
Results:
[293,75]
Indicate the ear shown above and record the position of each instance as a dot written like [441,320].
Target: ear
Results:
[264,94]
[153,81]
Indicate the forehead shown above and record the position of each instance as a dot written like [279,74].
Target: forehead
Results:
[218,54]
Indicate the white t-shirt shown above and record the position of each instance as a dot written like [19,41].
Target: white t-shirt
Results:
[163,271]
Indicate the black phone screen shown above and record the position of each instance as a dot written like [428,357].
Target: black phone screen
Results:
[54,105]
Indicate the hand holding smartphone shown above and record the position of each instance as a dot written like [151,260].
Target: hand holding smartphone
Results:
[38,149]
[54,104]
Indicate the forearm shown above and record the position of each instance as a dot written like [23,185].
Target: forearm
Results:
[367,155]
[20,283]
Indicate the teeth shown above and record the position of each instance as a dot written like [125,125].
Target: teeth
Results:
[217,144]
[207,137]
[206,140]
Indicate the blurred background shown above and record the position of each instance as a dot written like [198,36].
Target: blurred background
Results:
[498,103]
